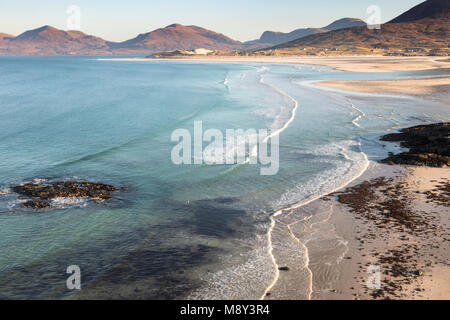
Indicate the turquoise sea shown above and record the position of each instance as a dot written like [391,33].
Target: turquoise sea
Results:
[172,232]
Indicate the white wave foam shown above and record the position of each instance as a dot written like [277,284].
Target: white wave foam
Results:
[69,202]
[278,129]
[226,82]
[347,170]
[241,281]
[263,69]
[320,186]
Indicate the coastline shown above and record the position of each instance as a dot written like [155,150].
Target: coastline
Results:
[410,257]
[341,245]
[365,247]
[343,63]
[334,265]
[366,244]
[320,260]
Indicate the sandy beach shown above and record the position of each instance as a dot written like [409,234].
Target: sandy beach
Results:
[412,256]
[344,63]
[355,250]
[429,88]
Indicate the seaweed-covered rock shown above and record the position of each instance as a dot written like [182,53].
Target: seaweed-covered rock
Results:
[40,194]
[36,204]
[429,145]
[65,189]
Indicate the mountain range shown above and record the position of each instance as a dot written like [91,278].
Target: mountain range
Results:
[274,38]
[49,40]
[423,25]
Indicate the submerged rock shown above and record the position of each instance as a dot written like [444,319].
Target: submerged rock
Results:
[429,145]
[41,193]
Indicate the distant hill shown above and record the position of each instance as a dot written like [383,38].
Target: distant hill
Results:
[274,38]
[5,35]
[345,23]
[424,26]
[177,37]
[49,40]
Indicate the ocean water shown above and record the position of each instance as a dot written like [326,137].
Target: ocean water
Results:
[189,231]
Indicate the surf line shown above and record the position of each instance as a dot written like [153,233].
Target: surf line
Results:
[226,82]
[361,114]
[305,246]
[254,151]
[286,125]
[273,223]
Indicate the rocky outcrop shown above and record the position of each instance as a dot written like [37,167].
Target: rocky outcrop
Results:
[40,194]
[429,145]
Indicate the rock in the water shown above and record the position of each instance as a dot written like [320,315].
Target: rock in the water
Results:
[41,193]
[36,204]
[65,189]
[429,145]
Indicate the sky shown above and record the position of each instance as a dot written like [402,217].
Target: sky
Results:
[239,19]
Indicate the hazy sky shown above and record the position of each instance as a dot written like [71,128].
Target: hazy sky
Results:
[239,19]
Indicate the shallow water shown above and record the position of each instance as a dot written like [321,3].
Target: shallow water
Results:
[175,231]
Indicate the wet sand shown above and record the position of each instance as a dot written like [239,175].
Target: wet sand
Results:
[429,88]
[387,223]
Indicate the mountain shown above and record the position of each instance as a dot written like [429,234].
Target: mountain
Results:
[177,37]
[428,9]
[49,40]
[275,38]
[424,26]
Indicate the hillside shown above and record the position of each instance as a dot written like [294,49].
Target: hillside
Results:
[177,37]
[345,23]
[425,27]
[428,9]
[49,40]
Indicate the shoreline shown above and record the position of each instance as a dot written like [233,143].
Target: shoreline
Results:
[341,279]
[342,63]
[407,250]
[279,288]
[365,243]
[437,88]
